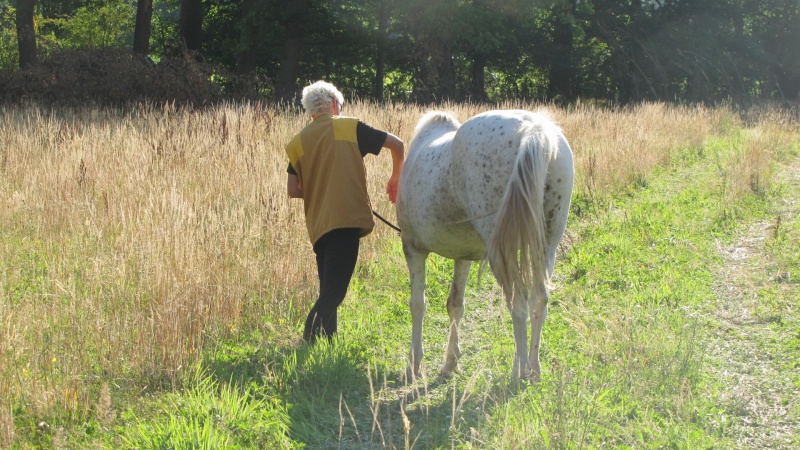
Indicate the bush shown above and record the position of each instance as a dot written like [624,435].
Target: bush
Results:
[113,76]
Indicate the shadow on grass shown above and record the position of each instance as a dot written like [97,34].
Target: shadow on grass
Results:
[338,396]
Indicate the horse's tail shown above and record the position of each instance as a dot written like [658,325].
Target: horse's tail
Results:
[517,245]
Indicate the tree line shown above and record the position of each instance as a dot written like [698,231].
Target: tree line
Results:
[617,51]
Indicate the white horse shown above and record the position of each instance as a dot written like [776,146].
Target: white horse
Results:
[497,187]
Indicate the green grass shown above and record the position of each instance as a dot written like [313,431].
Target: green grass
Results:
[630,353]
[212,416]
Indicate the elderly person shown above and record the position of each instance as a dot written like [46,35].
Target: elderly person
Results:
[326,170]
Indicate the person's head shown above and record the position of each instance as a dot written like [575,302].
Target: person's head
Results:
[318,96]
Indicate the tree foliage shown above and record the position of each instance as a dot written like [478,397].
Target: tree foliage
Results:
[9,50]
[100,25]
[486,50]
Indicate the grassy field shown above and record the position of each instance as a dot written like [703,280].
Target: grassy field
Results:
[154,278]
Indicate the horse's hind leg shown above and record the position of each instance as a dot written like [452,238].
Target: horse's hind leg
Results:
[541,297]
[455,309]
[416,268]
[518,307]
[538,309]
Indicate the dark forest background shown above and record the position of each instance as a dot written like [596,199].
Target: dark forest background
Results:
[610,51]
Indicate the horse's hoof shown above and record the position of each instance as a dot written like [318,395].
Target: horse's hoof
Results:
[412,374]
[448,370]
[525,372]
[529,376]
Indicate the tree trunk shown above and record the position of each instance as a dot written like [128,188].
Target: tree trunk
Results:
[380,61]
[435,80]
[246,57]
[434,40]
[26,34]
[141,33]
[478,87]
[561,70]
[191,24]
[286,82]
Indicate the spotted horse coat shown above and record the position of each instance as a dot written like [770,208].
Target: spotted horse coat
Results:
[496,188]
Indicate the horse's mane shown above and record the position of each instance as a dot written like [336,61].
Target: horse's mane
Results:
[436,117]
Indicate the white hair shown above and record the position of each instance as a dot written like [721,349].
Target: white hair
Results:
[317,97]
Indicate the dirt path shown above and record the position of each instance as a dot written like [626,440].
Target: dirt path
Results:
[760,398]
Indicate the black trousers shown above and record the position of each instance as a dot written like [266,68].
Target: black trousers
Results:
[337,253]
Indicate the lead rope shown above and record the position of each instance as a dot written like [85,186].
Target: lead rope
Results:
[386,221]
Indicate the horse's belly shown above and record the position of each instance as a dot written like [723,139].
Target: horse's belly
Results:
[452,242]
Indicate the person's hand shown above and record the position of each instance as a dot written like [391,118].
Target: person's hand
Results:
[293,186]
[391,188]
[397,147]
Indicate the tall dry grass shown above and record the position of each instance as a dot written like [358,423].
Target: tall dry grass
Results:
[616,148]
[128,240]
[749,167]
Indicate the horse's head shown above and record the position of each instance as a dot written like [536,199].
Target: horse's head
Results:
[432,126]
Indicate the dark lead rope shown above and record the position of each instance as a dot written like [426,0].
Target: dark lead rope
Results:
[386,221]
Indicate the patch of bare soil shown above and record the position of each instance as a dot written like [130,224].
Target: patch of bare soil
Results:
[760,397]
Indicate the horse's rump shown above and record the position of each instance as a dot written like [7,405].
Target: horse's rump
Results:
[517,245]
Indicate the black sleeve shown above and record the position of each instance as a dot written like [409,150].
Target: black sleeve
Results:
[290,170]
[370,140]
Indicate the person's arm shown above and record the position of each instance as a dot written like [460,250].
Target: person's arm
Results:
[293,186]
[397,148]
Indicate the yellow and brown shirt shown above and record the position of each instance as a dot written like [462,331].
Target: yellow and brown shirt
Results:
[327,156]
